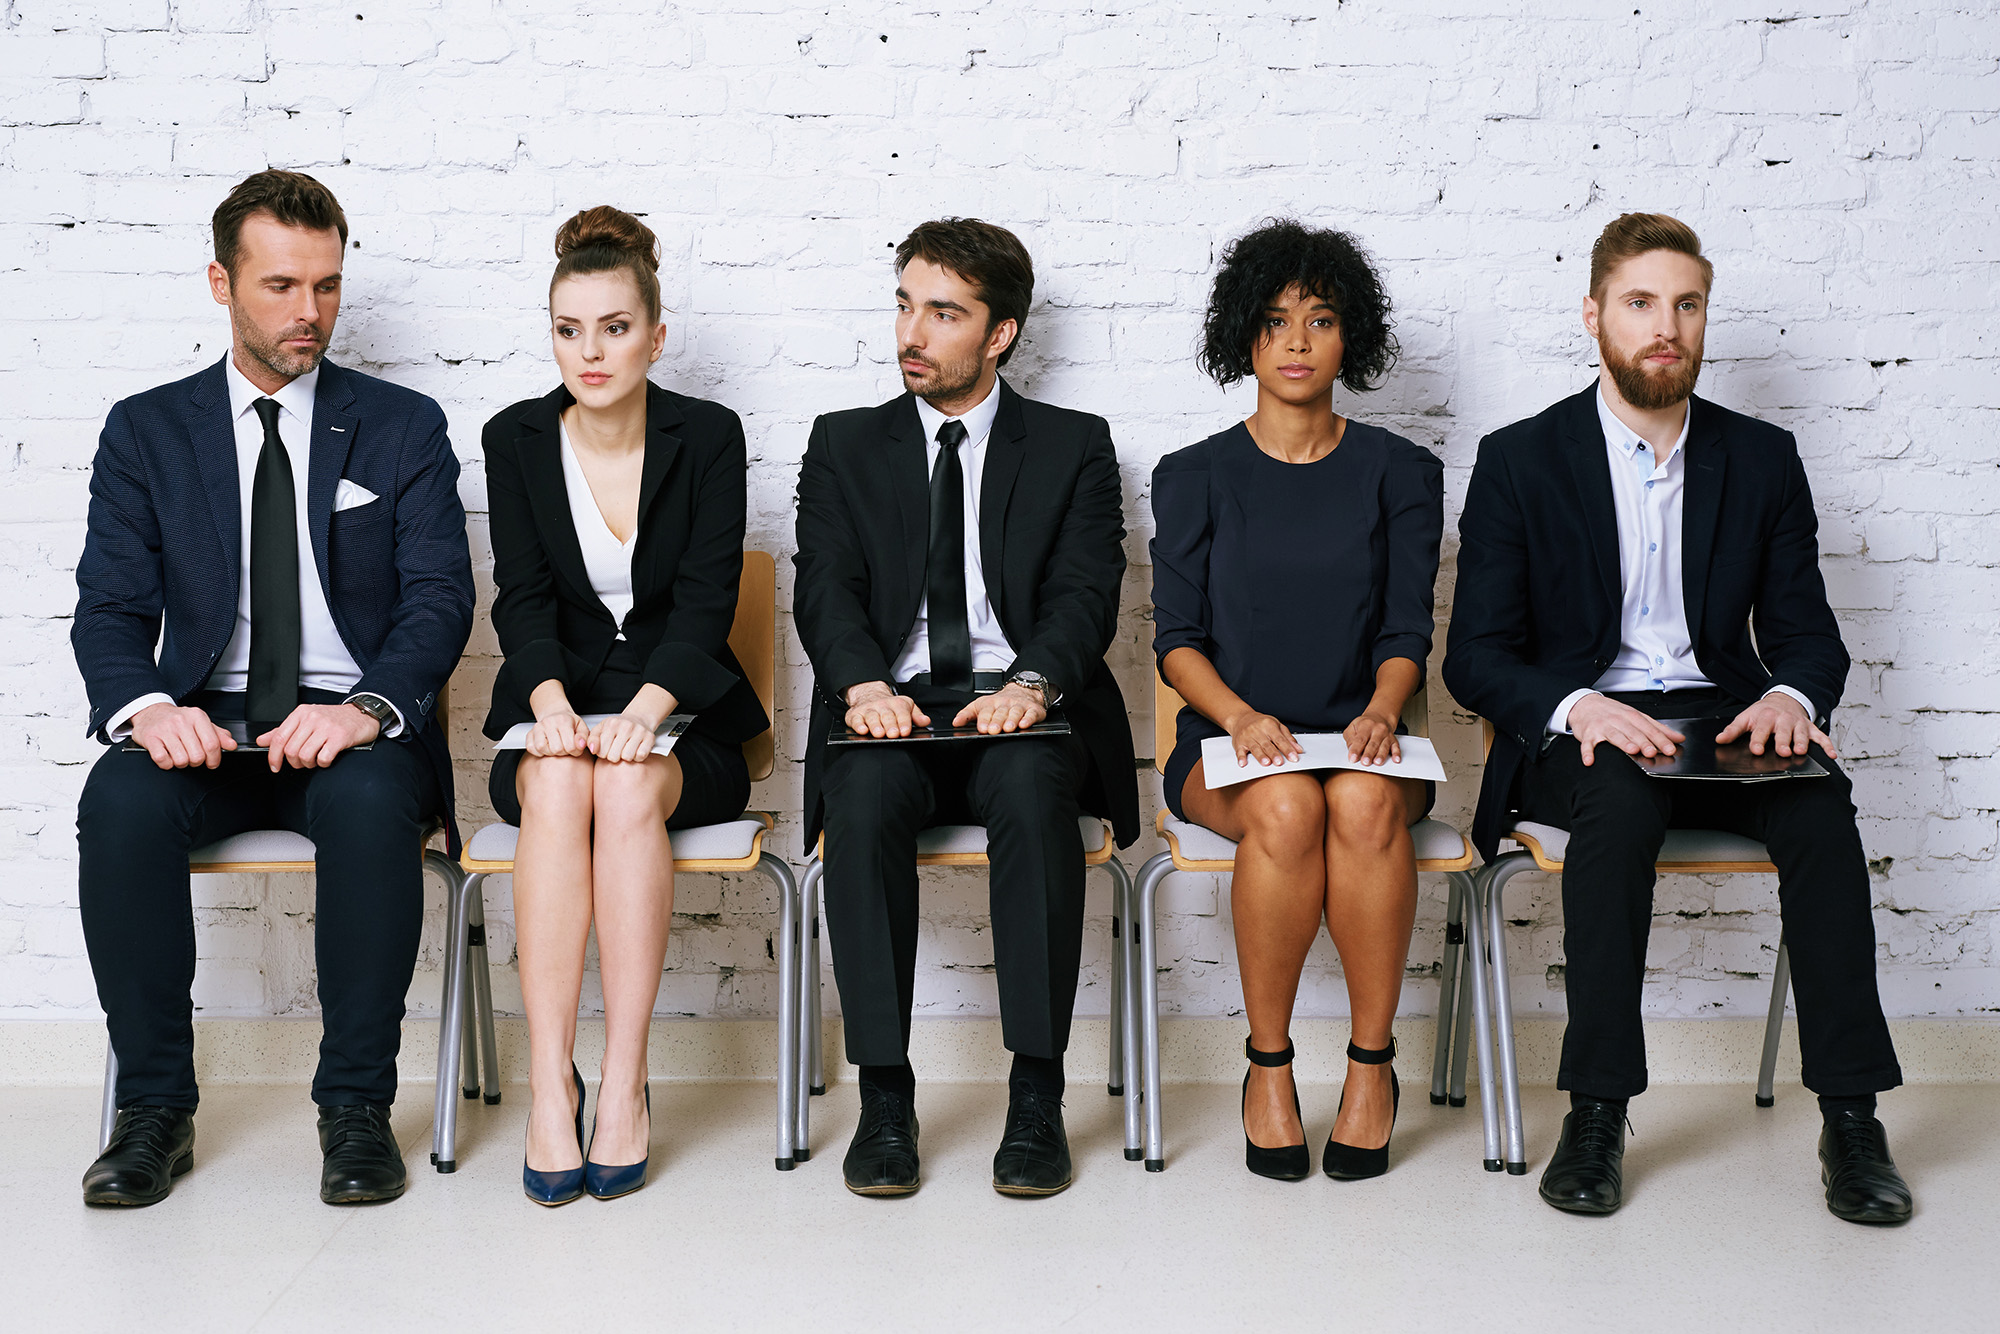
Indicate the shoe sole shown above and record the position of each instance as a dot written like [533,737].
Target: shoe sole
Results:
[1032,1192]
[555,1204]
[1573,1207]
[120,1200]
[881,1190]
[369,1197]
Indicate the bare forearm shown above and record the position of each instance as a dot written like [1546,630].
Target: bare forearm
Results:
[1396,680]
[547,698]
[1195,679]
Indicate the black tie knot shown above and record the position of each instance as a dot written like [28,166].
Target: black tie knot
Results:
[267,412]
[952,434]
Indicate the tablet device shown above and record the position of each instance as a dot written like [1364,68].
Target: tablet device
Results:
[1700,757]
[942,731]
[239,731]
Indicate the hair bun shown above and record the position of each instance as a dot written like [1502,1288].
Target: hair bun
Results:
[611,229]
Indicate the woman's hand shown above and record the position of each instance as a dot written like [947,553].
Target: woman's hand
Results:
[1262,737]
[1371,739]
[558,732]
[623,738]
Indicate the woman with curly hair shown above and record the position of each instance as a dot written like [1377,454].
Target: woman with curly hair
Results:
[1293,570]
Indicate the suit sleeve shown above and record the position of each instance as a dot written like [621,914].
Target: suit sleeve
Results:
[1078,611]
[830,590]
[432,617]
[1413,504]
[120,593]
[706,583]
[1486,661]
[1183,533]
[1798,636]
[524,592]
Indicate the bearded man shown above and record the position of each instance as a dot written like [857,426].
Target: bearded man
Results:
[1633,554]
[960,549]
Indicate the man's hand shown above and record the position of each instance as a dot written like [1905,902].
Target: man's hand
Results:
[1599,718]
[1008,709]
[1780,720]
[873,709]
[1261,736]
[1371,739]
[179,738]
[315,735]
[558,732]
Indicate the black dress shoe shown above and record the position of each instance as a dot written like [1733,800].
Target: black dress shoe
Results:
[1862,1183]
[149,1147]
[1034,1152]
[882,1160]
[1586,1174]
[363,1163]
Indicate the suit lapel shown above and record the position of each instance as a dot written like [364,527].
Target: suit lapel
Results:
[1590,467]
[909,480]
[213,436]
[333,432]
[663,446]
[540,448]
[1701,503]
[1006,448]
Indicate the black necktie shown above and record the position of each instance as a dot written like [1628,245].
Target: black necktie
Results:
[950,632]
[273,690]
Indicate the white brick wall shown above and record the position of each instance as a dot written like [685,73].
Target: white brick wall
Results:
[1838,158]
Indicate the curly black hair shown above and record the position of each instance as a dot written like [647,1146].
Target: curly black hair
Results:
[1330,265]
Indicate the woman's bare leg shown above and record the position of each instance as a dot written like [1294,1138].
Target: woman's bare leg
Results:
[552,876]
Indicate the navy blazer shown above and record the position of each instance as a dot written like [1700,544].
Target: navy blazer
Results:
[1051,538]
[166,510]
[1536,612]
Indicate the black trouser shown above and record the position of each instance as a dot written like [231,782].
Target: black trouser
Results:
[1618,817]
[365,813]
[1025,791]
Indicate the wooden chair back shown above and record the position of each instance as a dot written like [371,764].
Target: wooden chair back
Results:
[754,639]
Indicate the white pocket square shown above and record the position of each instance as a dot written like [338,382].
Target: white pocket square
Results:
[350,496]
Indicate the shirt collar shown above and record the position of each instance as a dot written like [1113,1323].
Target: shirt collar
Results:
[295,398]
[1626,440]
[978,420]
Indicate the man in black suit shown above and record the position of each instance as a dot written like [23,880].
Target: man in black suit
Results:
[985,595]
[297,529]
[1617,552]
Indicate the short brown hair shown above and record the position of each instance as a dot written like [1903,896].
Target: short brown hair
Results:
[1634,234]
[991,258]
[605,240]
[292,197]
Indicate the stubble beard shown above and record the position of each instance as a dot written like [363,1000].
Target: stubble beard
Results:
[272,354]
[948,380]
[1647,389]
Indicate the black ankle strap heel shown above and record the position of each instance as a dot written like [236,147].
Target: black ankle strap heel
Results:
[1290,1162]
[1344,1162]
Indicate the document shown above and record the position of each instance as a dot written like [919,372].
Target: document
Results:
[670,731]
[1323,750]
[1700,757]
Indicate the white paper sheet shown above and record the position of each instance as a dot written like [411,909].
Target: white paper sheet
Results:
[1323,750]
[670,731]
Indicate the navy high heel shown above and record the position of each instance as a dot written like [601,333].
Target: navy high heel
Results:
[553,1188]
[608,1183]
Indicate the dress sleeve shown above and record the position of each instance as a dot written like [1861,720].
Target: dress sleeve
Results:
[1413,512]
[1182,534]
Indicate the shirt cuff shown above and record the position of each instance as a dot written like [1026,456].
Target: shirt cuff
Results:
[1559,720]
[120,726]
[388,733]
[1811,711]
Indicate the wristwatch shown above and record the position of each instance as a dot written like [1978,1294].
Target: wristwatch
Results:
[375,707]
[1040,684]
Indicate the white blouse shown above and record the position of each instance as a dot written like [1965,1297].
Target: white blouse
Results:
[607,560]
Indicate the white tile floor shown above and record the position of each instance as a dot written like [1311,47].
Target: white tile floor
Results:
[1724,1227]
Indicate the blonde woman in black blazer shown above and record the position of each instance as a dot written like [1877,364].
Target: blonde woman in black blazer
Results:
[617,522]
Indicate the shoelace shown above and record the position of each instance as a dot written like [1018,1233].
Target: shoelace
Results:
[1032,1113]
[350,1123]
[1597,1129]
[147,1130]
[1853,1140]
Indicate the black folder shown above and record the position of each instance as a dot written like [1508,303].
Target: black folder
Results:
[1700,757]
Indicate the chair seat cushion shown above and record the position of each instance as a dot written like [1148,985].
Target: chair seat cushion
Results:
[971,838]
[1434,839]
[257,845]
[730,841]
[1682,845]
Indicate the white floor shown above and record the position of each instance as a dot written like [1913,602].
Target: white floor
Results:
[1724,1226]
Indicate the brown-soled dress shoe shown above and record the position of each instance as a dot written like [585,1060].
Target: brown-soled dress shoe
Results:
[1861,1180]
[882,1160]
[1034,1151]
[362,1162]
[149,1147]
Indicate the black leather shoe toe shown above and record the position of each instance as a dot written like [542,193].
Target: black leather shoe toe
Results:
[1861,1180]
[1034,1152]
[362,1162]
[882,1160]
[1586,1173]
[149,1147]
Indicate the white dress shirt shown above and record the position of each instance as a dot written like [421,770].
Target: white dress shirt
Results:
[1655,650]
[324,662]
[990,650]
[606,560]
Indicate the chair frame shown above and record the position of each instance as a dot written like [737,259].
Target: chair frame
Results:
[1460,871]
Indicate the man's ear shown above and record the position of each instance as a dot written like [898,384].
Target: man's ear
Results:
[1001,337]
[1590,316]
[218,282]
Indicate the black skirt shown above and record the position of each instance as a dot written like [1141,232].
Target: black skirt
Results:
[1191,729]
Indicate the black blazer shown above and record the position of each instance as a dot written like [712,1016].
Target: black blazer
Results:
[1051,535]
[1535,615]
[164,547]
[686,564]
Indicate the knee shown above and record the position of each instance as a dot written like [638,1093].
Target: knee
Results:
[1617,794]
[1364,811]
[1286,819]
[870,784]
[627,794]
[557,786]
[355,793]
[126,803]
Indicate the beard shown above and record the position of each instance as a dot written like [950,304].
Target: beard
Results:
[945,380]
[1642,386]
[271,352]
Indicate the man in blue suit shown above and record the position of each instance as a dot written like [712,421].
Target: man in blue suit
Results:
[295,529]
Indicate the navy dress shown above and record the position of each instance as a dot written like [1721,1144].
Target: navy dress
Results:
[1296,580]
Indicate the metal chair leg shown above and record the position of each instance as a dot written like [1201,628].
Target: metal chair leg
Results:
[1482,1020]
[1503,1015]
[1114,1080]
[1462,1034]
[468,1033]
[451,1029]
[108,1118]
[1774,1026]
[1132,1022]
[788,1005]
[1454,946]
[479,973]
[1148,994]
[808,1013]
[816,1039]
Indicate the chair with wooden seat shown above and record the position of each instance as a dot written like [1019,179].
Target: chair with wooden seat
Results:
[1542,848]
[965,845]
[734,845]
[1192,847]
